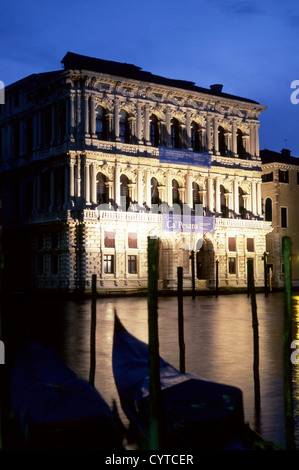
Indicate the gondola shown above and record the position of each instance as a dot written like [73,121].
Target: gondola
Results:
[55,408]
[195,414]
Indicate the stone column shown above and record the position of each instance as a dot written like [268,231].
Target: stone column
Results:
[131,188]
[71,184]
[138,124]
[210,195]
[216,140]
[253,198]
[259,198]
[86,114]
[236,197]
[169,189]
[140,187]
[168,128]
[109,186]
[87,182]
[72,115]
[92,117]
[116,122]
[117,185]
[78,179]
[146,125]
[257,143]
[218,202]
[189,191]
[228,202]
[148,189]
[208,134]
[234,139]
[94,183]
[188,130]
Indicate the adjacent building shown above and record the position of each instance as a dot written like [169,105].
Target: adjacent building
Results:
[280,193]
[99,155]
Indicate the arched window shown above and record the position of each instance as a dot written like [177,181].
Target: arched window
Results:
[124,190]
[154,191]
[154,131]
[175,192]
[240,146]
[268,210]
[175,134]
[195,141]
[221,141]
[195,191]
[124,130]
[101,123]
[102,196]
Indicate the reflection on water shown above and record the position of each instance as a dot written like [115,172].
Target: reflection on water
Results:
[218,338]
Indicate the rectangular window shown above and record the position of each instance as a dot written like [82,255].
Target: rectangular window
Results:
[109,240]
[232,265]
[232,244]
[132,264]
[250,244]
[108,264]
[283,176]
[132,240]
[284,217]
[266,177]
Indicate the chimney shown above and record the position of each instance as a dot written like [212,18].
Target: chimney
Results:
[217,87]
[285,152]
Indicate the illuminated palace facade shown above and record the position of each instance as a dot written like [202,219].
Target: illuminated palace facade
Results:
[94,154]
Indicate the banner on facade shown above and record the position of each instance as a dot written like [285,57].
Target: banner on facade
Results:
[184,157]
[188,223]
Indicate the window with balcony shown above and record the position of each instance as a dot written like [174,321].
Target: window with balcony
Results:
[221,141]
[195,140]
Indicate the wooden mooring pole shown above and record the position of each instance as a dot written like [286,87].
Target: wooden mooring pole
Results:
[193,273]
[153,343]
[181,319]
[93,329]
[255,327]
[287,340]
[217,278]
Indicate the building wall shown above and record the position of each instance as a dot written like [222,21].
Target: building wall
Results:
[80,156]
[282,195]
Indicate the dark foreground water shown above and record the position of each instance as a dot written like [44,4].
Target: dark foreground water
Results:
[218,338]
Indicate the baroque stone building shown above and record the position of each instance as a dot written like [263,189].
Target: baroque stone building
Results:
[96,155]
[280,194]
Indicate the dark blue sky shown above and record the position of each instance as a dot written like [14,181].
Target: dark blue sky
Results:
[251,47]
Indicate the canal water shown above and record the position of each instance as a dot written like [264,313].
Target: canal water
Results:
[218,344]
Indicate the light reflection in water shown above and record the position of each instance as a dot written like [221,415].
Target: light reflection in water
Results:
[219,346]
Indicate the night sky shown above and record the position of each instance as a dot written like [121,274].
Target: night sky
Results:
[251,47]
